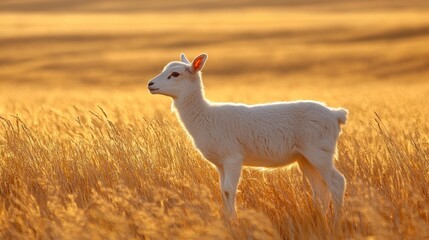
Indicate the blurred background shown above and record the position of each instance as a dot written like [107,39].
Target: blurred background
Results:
[86,152]
[64,43]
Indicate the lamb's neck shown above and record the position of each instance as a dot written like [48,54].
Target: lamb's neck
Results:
[192,110]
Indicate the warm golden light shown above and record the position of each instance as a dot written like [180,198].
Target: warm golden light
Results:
[86,152]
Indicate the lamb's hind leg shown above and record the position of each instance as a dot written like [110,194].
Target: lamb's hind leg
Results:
[318,185]
[323,161]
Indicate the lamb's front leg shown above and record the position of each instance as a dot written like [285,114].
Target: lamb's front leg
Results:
[229,173]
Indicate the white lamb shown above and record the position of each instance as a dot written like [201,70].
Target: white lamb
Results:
[266,135]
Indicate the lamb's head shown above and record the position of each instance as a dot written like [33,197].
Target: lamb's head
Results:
[179,78]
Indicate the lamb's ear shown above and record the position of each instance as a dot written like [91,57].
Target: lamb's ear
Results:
[183,58]
[199,62]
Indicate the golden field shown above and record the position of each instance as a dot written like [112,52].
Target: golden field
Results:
[87,153]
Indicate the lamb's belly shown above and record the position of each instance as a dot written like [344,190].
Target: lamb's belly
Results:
[255,160]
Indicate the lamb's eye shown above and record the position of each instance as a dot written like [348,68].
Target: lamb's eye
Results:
[175,74]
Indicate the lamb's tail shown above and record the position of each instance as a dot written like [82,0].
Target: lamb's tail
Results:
[340,114]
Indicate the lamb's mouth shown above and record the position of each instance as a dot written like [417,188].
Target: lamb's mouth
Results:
[153,89]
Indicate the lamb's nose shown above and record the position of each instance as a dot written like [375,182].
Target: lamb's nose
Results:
[150,84]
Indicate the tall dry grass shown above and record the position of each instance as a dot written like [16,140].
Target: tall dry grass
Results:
[92,167]
[87,153]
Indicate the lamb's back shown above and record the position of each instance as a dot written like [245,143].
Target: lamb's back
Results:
[271,130]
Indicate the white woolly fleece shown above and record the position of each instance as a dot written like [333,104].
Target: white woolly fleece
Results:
[266,135]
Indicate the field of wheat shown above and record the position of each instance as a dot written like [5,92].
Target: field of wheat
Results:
[87,153]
